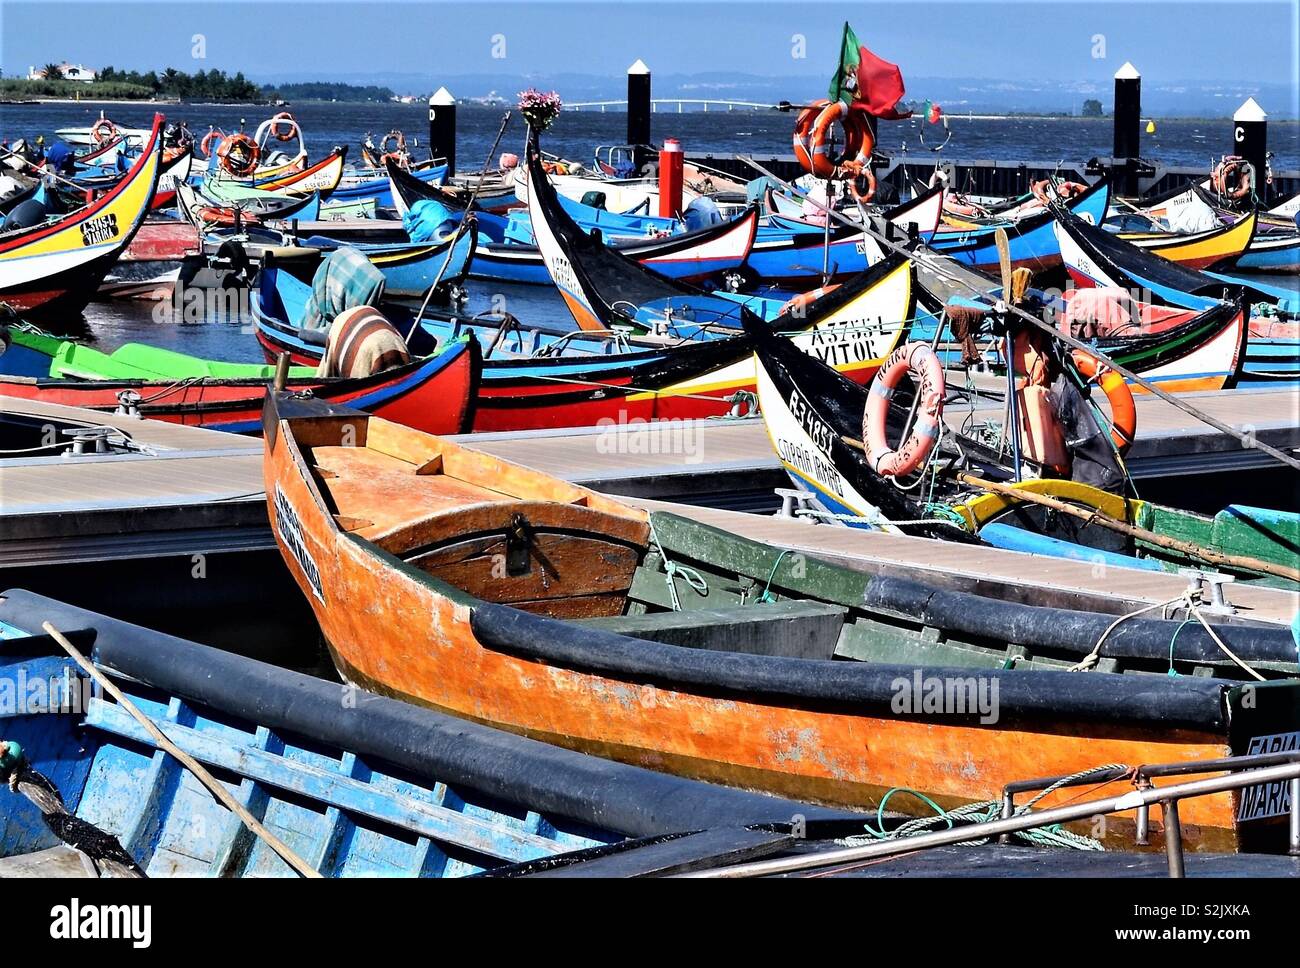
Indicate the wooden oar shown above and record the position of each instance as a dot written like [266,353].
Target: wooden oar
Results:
[1012,431]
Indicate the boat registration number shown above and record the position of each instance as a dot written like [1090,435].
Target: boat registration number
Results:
[290,529]
[99,230]
[1268,799]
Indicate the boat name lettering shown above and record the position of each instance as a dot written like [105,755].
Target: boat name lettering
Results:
[1268,799]
[290,529]
[811,464]
[816,428]
[99,230]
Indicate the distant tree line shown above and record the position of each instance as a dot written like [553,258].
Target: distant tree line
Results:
[213,85]
[326,91]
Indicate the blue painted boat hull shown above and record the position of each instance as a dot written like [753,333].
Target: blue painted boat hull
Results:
[381,191]
[356,784]
[1032,240]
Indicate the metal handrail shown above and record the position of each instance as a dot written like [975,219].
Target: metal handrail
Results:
[1168,798]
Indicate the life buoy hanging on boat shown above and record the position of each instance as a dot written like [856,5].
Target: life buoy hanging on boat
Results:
[238,155]
[206,145]
[397,138]
[1235,171]
[919,360]
[283,126]
[1123,414]
[103,131]
[812,138]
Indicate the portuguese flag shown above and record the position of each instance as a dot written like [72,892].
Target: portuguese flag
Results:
[867,82]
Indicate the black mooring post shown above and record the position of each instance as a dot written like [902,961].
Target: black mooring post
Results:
[1250,141]
[442,128]
[638,113]
[1127,121]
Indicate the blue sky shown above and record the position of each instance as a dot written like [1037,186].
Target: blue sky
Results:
[1242,41]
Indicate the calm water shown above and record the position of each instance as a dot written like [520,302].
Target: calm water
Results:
[576,135]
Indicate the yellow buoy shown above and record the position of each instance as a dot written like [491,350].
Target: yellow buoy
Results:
[1151,127]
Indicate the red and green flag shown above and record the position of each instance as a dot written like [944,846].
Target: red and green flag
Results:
[866,81]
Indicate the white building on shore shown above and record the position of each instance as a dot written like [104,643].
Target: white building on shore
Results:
[70,72]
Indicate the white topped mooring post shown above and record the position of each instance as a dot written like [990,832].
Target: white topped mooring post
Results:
[638,112]
[1127,115]
[1250,141]
[442,127]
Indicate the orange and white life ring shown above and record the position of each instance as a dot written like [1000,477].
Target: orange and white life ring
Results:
[800,303]
[238,155]
[919,360]
[207,145]
[1123,414]
[103,131]
[283,126]
[1233,165]
[397,138]
[1068,190]
[812,141]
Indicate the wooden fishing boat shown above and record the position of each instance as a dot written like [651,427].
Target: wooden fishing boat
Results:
[409,268]
[1094,257]
[368,787]
[253,208]
[604,289]
[1199,250]
[815,421]
[54,268]
[435,393]
[1276,252]
[551,611]
[323,176]
[1033,242]
[574,380]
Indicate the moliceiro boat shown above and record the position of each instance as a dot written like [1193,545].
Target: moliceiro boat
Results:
[539,607]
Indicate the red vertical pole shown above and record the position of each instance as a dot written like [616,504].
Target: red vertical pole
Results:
[670,178]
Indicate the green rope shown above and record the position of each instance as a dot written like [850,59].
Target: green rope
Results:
[671,570]
[1172,640]
[767,596]
[1051,835]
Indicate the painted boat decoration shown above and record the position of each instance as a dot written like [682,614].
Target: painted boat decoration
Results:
[1032,239]
[436,393]
[581,379]
[584,655]
[367,788]
[54,268]
[1199,250]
